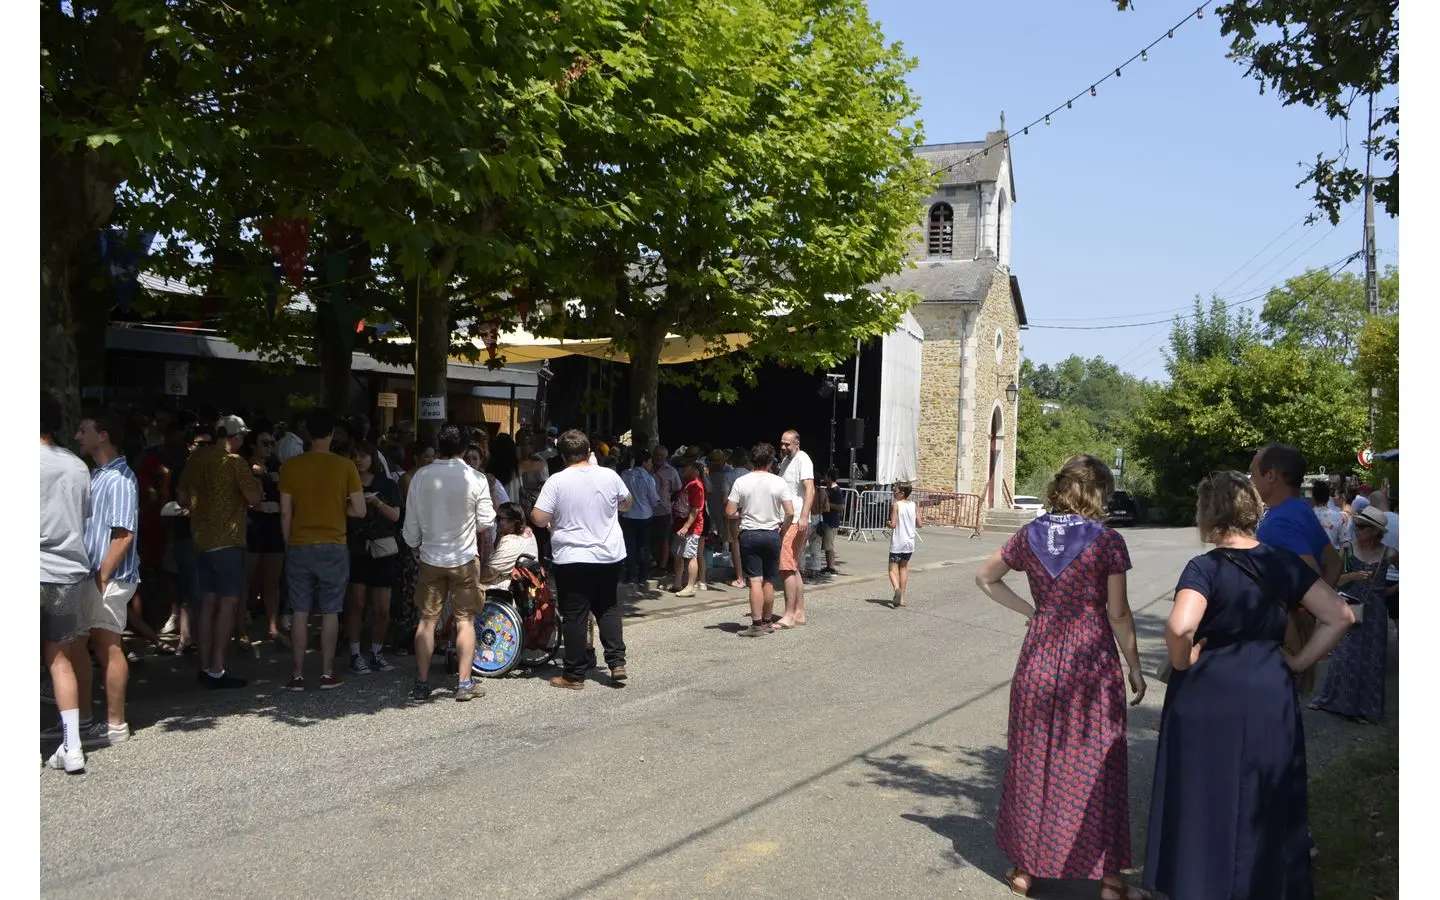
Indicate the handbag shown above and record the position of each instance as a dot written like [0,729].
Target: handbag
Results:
[382,548]
[1357,604]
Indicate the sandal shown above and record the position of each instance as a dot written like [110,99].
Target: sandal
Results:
[1109,890]
[1019,881]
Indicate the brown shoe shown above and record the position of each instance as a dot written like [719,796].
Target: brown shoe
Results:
[618,673]
[561,681]
[330,682]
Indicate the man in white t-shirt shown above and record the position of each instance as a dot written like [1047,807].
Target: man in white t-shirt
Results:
[765,508]
[799,473]
[581,507]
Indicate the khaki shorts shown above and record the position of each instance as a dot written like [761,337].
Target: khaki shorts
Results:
[792,547]
[110,612]
[461,584]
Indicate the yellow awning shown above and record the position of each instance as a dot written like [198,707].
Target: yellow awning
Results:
[522,348]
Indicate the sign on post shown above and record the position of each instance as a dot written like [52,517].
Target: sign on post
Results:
[432,409]
[1366,456]
[388,401]
[177,378]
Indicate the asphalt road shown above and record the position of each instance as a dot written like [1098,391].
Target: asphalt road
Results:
[859,756]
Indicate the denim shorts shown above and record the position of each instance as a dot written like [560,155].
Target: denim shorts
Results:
[221,572]
[317,575]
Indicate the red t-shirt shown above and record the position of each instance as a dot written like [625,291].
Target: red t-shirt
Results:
[695,496]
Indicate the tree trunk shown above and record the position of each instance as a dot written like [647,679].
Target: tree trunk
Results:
[334,358]
[645,380]
[335,330]
[432,343]
[77,195]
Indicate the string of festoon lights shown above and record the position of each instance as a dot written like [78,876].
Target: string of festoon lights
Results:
[1142,56]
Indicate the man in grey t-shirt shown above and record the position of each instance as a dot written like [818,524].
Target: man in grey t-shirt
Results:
[64,568]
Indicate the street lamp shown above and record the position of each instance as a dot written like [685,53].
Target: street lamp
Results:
[1012,392]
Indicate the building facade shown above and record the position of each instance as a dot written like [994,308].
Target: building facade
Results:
[971,314]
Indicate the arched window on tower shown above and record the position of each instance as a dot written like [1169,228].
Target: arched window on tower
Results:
[942,230]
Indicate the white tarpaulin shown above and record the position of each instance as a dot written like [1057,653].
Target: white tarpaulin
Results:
[896,452]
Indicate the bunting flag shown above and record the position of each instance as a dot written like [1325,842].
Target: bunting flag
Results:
[289,240]
[490,334]
[121,260]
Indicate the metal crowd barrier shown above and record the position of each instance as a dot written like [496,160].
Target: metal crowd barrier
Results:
[951,510]
[871,515]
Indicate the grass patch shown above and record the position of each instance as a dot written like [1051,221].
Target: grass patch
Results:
[1355,813]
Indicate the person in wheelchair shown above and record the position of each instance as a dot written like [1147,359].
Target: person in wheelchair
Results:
[514,539]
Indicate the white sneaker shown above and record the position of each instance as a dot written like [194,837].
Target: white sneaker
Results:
[72,761]
[103,734]
[172,625]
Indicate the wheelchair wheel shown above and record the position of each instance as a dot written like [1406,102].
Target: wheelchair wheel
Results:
[499,639]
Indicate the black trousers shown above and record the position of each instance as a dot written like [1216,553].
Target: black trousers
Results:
[637,548]
[585,589]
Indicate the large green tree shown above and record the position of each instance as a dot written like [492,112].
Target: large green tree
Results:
[763,172]
[1230,393]
[1075,406]
[1377,361]
[1327,312]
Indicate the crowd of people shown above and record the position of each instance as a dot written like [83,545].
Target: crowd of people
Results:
[1289,581]
[228,518]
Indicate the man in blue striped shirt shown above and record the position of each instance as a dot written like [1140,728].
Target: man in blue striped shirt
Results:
[115,564]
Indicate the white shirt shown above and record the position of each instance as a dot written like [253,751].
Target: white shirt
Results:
[796,470]
[642,491]
[761,498]
[508,551]
[288,446]
[583,503]
[902,539]
[448,504]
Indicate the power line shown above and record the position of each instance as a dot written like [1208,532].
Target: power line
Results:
[1143,55]
[1349,259]
[1212,292]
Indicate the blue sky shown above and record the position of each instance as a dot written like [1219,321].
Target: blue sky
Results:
[1158,189]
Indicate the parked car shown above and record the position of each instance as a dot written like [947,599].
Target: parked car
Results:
[1028,504]
[1122,510]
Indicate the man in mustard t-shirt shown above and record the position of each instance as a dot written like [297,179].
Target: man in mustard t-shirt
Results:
[318,489]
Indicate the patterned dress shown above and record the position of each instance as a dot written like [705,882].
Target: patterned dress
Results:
[1064,809]
[1355,677]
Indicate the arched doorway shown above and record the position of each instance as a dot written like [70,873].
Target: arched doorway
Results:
[997,455]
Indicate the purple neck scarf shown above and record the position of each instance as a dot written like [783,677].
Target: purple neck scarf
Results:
[1058,540]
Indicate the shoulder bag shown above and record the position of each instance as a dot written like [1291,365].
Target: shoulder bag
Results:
[1299,626]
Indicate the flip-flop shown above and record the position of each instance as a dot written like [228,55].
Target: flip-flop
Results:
[782,626]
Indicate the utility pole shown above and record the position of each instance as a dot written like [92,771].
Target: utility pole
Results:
[1372,277]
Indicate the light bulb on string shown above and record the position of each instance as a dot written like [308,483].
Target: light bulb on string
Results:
[1092,90]
[1117,73]
[1200,13]
[1171,34]
[1047,120]
[1144,55]
[1026,130]
[1069,104]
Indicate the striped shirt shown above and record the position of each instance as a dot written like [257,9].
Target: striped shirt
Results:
[114,503]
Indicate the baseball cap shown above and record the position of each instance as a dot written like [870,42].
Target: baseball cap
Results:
[232,426]
[553,431]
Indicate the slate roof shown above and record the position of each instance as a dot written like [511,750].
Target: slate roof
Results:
[952,280]
[983,168]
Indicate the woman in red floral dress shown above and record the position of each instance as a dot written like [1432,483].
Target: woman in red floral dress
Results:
[1064,807]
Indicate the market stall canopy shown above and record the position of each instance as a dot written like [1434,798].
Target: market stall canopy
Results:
[523,347]
[1391,455]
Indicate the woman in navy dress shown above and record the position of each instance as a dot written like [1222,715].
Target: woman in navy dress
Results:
[1064,805]
[1229,806]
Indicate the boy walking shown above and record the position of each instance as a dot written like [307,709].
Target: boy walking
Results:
[904,524]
